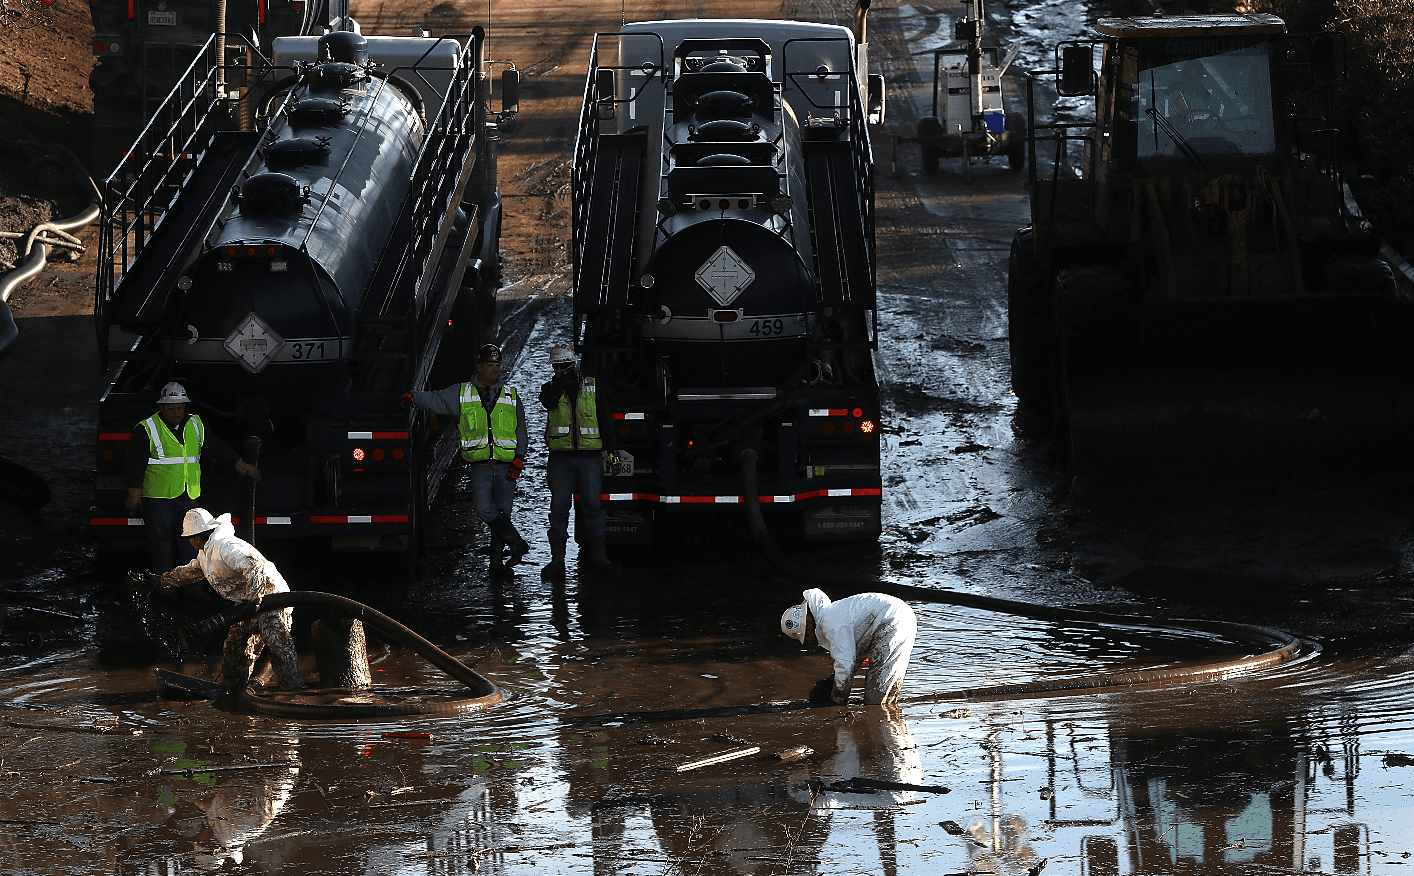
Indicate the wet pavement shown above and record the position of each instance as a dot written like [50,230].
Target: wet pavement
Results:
[614,684]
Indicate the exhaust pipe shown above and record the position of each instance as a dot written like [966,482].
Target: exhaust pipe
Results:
[860,26]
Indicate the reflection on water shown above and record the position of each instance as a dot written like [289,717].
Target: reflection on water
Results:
[1300,770]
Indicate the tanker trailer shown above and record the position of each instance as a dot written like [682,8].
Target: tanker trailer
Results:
[302,276]
[724,272]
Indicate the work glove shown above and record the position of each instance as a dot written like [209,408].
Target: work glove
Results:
[406,400]
[144,582]
[133,507]
[616,465]
[513,473]
[822,694]
[250,472]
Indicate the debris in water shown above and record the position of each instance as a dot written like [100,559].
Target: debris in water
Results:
[727,737]
[416,737]
[956,713]
[952,827]
[860,785]
[650,739]
[794,753]
[719,758]
[1398,760]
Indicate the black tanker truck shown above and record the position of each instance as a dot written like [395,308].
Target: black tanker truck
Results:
[724,289]
[300,273]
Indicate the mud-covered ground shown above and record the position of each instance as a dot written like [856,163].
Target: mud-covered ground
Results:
[614,683]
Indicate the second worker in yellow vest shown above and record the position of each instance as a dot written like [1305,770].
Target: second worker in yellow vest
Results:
[491,424]
[578,430]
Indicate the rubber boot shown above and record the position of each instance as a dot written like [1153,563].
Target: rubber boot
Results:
[503,527]
[554,570]
[599,561]
[498,545]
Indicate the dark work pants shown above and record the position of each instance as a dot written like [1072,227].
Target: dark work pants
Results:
[162,518]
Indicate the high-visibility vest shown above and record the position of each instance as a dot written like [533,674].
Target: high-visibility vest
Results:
[173,464]
[585,413]
[484,440]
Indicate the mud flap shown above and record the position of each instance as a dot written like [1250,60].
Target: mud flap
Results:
[850,522]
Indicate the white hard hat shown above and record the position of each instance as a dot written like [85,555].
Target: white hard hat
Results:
[561,355]
[793,622]
[197,521]
[173,394]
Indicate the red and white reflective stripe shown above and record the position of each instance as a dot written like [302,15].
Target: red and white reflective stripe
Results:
[377,436]
[266,521]
[115,521]
[733,500]
[115,436]
[829,412]
[358,518]
[628,416]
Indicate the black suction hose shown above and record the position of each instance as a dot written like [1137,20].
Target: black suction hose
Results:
[484,691]
[1279,646]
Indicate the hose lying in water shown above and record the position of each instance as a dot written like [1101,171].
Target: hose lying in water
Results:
[484,691]
[1279,647]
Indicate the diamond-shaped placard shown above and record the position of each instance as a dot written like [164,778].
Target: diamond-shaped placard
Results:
[254,343]
[725,275]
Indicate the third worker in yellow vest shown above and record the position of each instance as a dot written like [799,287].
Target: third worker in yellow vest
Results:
[163,474]
[578,430]
[491,423]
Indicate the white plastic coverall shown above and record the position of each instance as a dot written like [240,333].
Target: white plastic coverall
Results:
[873,625]
[239,572]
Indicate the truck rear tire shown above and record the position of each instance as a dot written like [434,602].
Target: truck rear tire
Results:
[1029,329]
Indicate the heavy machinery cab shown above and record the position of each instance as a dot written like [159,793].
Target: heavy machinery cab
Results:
[1193,257]
[1206,94]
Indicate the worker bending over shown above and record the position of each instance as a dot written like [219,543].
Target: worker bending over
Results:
[239,572]
[868,626]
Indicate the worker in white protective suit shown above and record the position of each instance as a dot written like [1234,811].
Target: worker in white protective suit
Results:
[239,572]
[872,627]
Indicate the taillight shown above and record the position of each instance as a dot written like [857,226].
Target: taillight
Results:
[358,454]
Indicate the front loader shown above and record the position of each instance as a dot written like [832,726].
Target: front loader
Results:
[1196,290]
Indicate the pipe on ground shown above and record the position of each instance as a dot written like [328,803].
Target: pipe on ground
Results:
[1279,647]
[484,691]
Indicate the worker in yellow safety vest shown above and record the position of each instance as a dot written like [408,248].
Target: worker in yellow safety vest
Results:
[491,424]
[579,433]
[163,474]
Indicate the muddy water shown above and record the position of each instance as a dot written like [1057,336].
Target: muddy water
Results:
[1298,769]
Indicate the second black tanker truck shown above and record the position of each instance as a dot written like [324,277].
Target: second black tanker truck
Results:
[724,272]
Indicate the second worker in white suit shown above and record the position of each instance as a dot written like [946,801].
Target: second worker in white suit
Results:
[875,626]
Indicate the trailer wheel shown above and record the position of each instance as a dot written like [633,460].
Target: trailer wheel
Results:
[1029,330]
[1016,141]
[930,127]
[930,158]
[1356,274]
